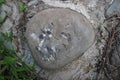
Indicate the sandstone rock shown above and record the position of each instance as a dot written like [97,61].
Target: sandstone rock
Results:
[113,9]
[7,25]
[2,14]
[6,8]
[58,36]
[33,2]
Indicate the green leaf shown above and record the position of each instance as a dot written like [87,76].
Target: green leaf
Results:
[33,66]
[2,78]
[2,1]
[22,7]
[1,42]
[1,19]
[3,69]
[1,51]
[8,36]
[9,59]
[1,62]
[5,36]
[9,63]
[11,34]
[10,52]
[20,69]
[26,67]
[14,72]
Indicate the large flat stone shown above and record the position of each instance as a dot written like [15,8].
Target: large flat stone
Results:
[58,36]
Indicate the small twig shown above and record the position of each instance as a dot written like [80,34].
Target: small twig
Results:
[106,56]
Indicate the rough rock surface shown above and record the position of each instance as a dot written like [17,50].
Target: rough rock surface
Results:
[82,68]
[57,36]
[114,9]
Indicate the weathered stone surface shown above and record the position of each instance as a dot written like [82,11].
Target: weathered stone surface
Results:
[58,36]
[7,25]
[4,10]
[113,9]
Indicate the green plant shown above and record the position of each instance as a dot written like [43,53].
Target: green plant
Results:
[1,20]
[11,66]
[2,1]
[22,6]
